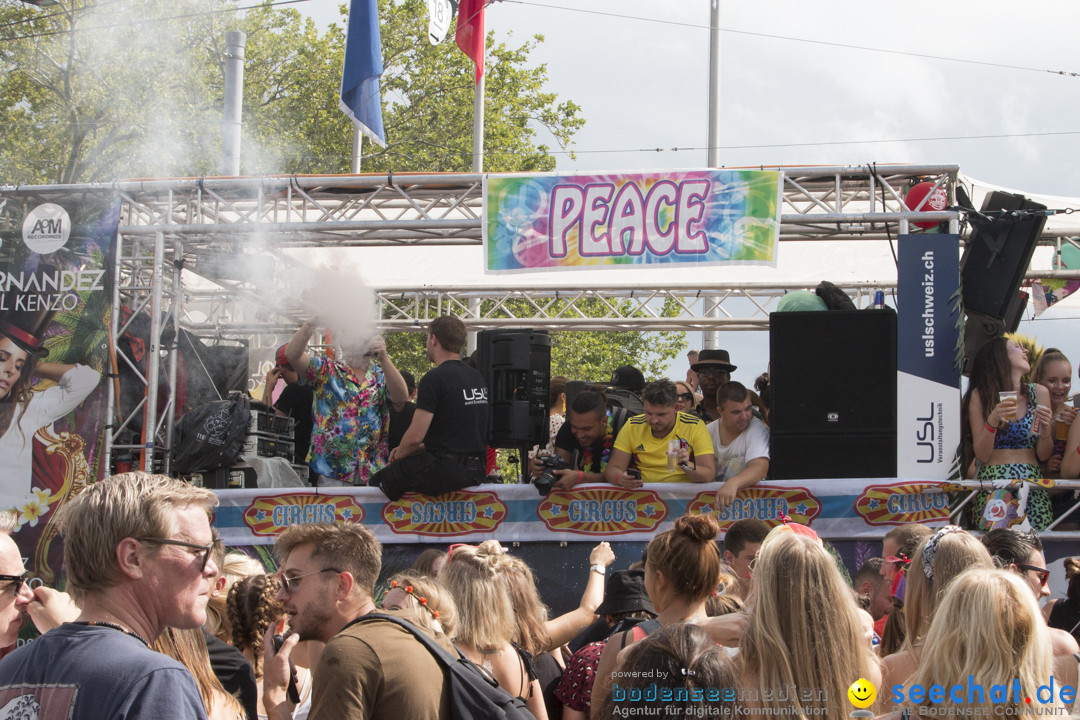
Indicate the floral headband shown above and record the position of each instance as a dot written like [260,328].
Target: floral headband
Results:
[930,549]
[423,603]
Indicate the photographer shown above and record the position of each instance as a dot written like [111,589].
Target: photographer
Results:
[584,442]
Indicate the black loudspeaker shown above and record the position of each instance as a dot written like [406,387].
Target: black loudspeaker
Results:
[833,383]
[832,455]
[998,254]
[516,365]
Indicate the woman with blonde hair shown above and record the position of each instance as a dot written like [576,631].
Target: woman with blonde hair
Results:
[233,567]
[428,603]
[805,630]
[682,568]
[987,626]
[486,624]
[940,558]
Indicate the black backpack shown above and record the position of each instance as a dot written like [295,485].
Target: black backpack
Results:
[211,435]
[474,694]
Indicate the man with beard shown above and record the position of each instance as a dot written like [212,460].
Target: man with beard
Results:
[444,447]
[585,440]
[713,368]
[740,443]
[372,669]
[661,445]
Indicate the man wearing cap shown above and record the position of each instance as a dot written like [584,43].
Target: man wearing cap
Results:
[295,401]
[664,445]
[713,369]
[625,604]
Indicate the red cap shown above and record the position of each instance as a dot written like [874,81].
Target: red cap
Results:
[281,359]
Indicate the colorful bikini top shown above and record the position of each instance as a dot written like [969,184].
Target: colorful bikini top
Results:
[1017,435]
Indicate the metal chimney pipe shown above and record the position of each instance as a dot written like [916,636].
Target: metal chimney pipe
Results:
[234,102]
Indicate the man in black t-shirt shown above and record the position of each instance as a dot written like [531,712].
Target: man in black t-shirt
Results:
[295,401]
[585,440]
[401,415]
[443,449]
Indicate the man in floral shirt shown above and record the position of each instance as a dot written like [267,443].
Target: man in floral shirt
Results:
[351,408]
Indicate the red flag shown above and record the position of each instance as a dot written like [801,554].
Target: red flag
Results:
[470,33]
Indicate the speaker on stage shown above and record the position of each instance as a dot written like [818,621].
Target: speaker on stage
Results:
[516,365]
[833,382]
[998,255]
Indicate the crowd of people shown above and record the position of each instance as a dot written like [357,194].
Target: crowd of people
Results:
[159,622]
[706,428]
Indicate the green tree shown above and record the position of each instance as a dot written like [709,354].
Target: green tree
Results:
[133,88]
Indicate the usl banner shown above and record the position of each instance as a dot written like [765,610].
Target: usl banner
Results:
[836,509]
[586,221]
[55,314]
[928,359]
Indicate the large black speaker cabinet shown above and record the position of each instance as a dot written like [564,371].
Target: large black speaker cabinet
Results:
[516,365]
[998,254]
[832,455]
[833,383]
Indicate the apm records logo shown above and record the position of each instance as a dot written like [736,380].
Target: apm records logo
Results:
[46,228]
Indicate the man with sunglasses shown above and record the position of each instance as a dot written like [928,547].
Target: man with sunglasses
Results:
[137,555]
[713,369]
[369,669]
[15,594]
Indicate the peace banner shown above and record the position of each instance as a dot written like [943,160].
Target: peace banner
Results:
[703,217]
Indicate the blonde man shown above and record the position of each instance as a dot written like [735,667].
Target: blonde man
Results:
[137,554]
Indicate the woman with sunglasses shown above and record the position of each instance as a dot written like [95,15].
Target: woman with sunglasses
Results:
[685,399]
[1022,553]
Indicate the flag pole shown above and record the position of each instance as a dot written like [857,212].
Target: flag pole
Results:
[357,141]
[478,126]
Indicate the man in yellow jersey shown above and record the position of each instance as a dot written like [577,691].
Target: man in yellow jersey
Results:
[661,445]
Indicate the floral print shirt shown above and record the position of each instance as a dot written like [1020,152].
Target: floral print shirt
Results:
[352,417]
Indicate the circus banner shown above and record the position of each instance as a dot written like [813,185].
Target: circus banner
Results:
[56,256]
[847,508]
[548,222]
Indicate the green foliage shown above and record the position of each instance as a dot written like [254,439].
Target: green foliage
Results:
[134,88]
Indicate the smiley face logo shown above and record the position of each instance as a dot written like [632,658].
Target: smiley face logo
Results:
[862,693]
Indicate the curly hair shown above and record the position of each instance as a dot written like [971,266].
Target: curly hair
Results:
[18,395]
[252,608]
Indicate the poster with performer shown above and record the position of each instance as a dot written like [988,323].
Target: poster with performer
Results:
[701,217]
[55,313]
[928,360]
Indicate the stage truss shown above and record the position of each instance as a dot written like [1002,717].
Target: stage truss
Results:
[174,234]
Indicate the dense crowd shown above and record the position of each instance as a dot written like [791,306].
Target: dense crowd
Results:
[159,622]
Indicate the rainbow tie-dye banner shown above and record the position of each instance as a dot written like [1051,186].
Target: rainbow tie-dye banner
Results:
[540,222]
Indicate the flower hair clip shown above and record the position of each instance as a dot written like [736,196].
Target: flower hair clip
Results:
[408,589]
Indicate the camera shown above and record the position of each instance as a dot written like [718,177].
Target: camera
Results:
[547,478]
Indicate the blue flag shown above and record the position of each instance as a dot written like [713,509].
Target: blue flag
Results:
[360,96]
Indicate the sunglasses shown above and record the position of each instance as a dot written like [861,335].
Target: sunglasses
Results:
[686,397]
[18,580]
[711,371]
[201,551]
[1043,573]
[290,584]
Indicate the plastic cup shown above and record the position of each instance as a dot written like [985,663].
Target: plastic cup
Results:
[1008,395]
[1061,429]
